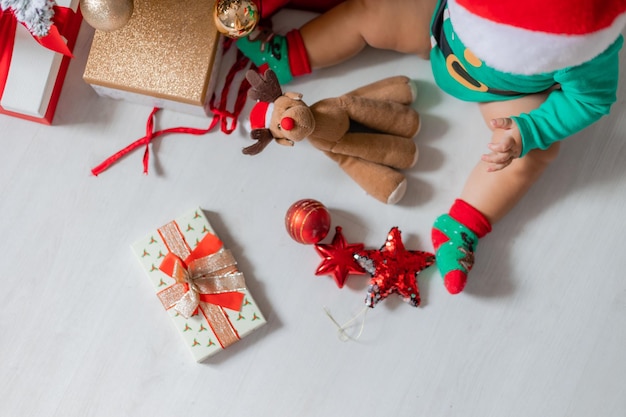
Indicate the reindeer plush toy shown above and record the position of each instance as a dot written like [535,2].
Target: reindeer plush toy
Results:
[368,132]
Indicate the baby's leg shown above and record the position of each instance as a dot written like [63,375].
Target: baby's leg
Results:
[495,193]
[485,199]
[341,33]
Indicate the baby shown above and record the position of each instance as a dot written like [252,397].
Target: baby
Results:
[541,71]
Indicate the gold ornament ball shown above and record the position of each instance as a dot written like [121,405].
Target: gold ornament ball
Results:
[107,15]
[235,18]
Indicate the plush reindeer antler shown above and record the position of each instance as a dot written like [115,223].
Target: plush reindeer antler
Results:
[263,138]
[264,87]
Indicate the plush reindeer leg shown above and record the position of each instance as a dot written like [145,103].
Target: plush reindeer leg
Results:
[394,151]
[400,89]
[382,116]
[381,182]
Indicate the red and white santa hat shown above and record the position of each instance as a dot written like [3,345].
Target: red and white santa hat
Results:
[260,115]
[535,36]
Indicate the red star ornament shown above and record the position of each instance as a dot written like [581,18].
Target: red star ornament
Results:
[339,258]
[393,270]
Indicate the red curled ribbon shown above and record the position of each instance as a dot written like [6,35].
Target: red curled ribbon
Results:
[207,281]
[220,115]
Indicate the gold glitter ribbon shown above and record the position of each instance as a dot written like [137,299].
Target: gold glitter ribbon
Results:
[204,282]
[201,278]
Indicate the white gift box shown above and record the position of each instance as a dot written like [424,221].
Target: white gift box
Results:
[36,74]
[215,325]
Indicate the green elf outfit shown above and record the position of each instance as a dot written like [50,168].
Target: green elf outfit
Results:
[493,50]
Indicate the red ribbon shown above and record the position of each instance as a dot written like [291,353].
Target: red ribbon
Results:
[220,115]
[61,23]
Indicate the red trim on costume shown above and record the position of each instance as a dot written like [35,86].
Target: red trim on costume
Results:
[565,17]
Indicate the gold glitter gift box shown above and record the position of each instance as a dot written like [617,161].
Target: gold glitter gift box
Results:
[166,56]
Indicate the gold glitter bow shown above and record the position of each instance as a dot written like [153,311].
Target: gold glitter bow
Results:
[206,278]
[210,275]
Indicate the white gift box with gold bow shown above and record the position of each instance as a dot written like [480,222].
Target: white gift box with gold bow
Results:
[198,283]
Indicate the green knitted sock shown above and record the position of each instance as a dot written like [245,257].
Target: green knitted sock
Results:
[455,236]
[273,52]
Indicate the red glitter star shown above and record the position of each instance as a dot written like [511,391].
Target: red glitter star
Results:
[393,269]
[339,258]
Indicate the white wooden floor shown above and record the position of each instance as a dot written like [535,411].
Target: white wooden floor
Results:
[539,331]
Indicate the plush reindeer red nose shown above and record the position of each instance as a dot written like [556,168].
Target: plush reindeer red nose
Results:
[287,123]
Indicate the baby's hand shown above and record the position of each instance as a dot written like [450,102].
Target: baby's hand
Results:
[506,144]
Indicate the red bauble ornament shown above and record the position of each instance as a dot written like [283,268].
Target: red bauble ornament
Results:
[307,221]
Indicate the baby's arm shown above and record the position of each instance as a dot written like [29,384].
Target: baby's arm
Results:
[586,94]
